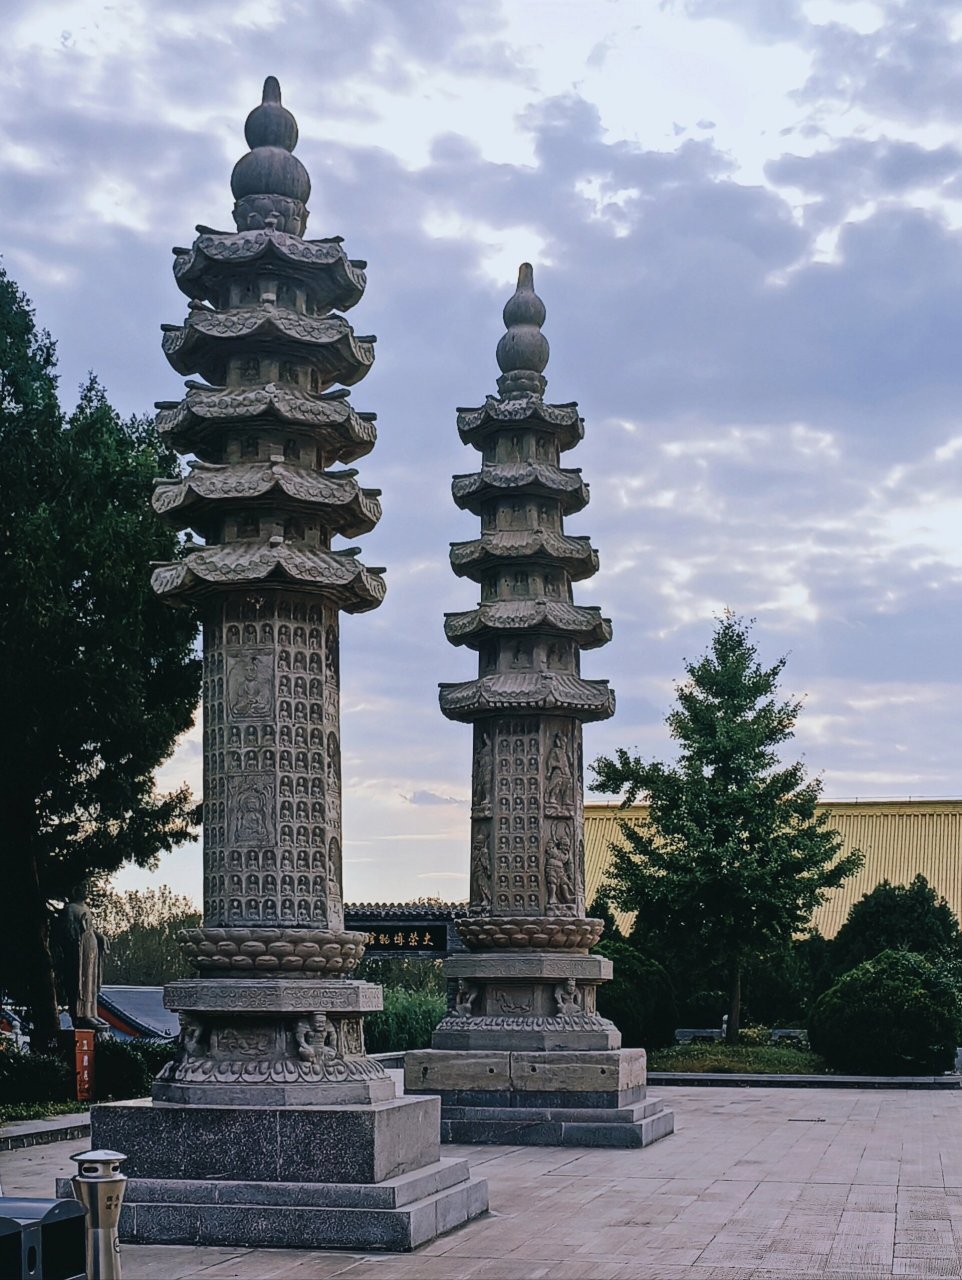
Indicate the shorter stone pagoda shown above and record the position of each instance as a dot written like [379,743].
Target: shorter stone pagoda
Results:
[523,1056]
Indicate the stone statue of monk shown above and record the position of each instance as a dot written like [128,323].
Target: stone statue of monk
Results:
[84,949]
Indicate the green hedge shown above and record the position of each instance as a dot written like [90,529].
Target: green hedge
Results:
[740,1058]
[407,1021]
[33,1077]
[894,1015]
[640,998]
[128,1068]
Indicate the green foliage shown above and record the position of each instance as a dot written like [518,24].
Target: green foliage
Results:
[776,1060]
[894,1015]
[781,988]
[122,1069]
[640,999]
[17,1111]
[896,917]
[128,1068]
[142,927]
[97,676]
[33,1078]
[600,909]
[409,973]
[755,1035]
[406,1022]
[734,858]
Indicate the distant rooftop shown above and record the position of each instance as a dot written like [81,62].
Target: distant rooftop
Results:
[405,910]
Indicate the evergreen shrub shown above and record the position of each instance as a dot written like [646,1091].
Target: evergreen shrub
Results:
[894,1015]
[33,1077]
[128,1068]
[640,998]
[406,1022]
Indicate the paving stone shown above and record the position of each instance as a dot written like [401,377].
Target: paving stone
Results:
[738,1194]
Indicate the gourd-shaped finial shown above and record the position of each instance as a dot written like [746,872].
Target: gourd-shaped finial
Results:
[270,186]
[523,350]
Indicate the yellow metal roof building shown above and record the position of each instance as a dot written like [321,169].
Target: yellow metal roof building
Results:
[899,839]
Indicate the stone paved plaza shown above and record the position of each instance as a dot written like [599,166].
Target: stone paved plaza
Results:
[754,1183]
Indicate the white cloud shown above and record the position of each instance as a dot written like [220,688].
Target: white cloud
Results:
[761,318]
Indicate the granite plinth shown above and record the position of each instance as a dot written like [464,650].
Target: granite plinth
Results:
[334,1177]
[541,1099]
[398,1214]
[365,1144]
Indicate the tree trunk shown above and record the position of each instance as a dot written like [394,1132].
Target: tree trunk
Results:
[30,962]
[734,1005]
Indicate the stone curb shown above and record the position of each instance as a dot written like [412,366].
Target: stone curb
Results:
[35,1133]
[745,1081]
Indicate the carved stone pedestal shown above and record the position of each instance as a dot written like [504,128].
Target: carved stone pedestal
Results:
[308,1177]
[273,1127]
[535,1000]
[578,1099]
[272,1042]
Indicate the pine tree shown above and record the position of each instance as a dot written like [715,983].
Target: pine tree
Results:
[97,677]
[734,858]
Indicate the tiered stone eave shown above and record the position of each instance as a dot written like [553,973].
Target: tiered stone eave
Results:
[203,496]
[337,575]
[563,420]
[521,479]
[208,339]
[320,267]
[475,627]
[554,692]
[200,422]
[474,559]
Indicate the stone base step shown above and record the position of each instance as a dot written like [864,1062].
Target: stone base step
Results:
[637,1126]
[630,1114]
[396,1215]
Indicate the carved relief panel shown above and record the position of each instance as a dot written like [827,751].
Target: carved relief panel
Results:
[480,893]
[536,823]
[271,762]
[563,849]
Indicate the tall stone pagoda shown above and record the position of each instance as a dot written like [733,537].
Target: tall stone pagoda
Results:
[272,1100]
[524,1055]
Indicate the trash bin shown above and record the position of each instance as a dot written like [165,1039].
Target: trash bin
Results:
[99,1186]
[42,1239]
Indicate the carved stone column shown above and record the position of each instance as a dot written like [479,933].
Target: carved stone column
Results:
[526,1007]
[271,1093]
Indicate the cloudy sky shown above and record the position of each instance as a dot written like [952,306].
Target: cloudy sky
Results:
[746,223]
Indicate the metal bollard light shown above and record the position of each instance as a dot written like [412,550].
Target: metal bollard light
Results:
[99,1186]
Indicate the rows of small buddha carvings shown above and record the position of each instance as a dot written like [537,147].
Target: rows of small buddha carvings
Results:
[268,427]
[272,831]
[526,805]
